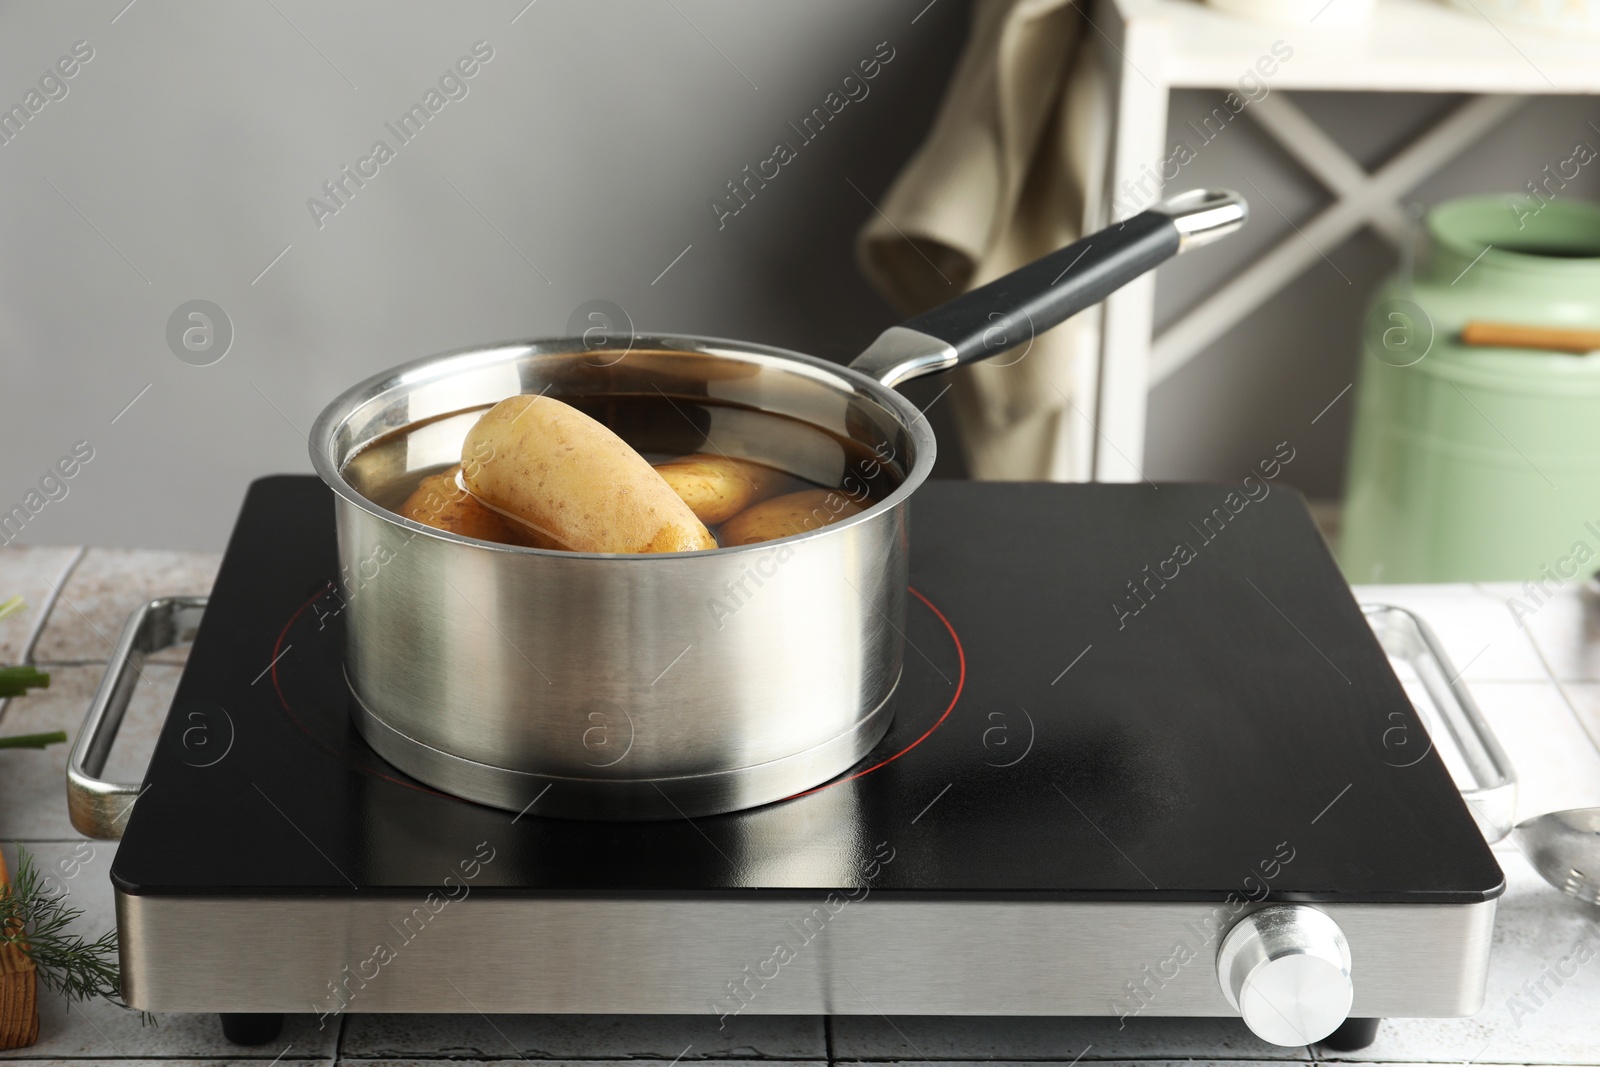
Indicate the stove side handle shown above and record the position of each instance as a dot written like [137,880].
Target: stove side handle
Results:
[1492,795]
[99,808]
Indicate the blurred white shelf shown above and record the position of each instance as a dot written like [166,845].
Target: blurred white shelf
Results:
[1411,46]
[1422,46]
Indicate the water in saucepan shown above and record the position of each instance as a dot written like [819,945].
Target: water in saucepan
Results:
[792,457]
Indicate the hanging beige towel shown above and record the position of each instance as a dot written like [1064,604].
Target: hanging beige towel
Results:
[1008,173]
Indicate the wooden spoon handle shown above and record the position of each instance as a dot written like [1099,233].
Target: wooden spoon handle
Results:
[1513,335]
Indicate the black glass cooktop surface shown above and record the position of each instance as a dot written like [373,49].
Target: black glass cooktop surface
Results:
[1111,692]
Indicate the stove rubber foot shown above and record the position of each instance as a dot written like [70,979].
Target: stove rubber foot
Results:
[1352,1035]
[249,1028]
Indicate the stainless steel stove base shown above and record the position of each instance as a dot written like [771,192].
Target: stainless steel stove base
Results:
[682,797]
[816,954]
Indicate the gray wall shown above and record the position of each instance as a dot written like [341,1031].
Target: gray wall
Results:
[180,161]
[592,142]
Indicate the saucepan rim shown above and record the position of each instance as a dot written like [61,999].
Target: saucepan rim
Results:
[442,364]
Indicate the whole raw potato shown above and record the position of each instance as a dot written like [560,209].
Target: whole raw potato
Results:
[554,468]
[441,503]
[787,515]
[716,488]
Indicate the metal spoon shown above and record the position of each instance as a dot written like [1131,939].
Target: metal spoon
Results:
[1564,846]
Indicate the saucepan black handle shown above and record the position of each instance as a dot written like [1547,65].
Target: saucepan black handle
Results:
[1012,310]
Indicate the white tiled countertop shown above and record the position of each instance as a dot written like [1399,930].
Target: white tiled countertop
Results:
[1536,678]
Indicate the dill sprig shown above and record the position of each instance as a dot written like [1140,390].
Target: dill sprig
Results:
[37,920]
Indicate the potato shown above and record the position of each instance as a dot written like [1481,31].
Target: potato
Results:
[787,515]
[440,502]
[553,467]
[717,488]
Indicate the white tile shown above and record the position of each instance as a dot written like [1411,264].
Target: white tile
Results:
[1585,698]
[765,1037]
[915,1037]
[102,1031]
[1564,626]
[105,589]
[1090,1056]
[1535,927]
[1556,762]
[1476,628]
[457,1062]
[33,783]
[29,572]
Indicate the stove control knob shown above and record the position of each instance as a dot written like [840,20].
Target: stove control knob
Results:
[1286,969]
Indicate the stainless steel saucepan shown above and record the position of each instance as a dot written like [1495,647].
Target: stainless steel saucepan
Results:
[663,686]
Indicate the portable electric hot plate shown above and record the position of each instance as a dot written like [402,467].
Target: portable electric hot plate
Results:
[1147,759]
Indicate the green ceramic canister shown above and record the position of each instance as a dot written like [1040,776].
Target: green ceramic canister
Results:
[1471,463]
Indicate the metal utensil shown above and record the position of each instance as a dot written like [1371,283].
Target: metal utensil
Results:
[1564,846]
[726,678]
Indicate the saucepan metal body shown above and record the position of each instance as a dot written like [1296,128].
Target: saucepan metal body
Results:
[608,686]
[663,686]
